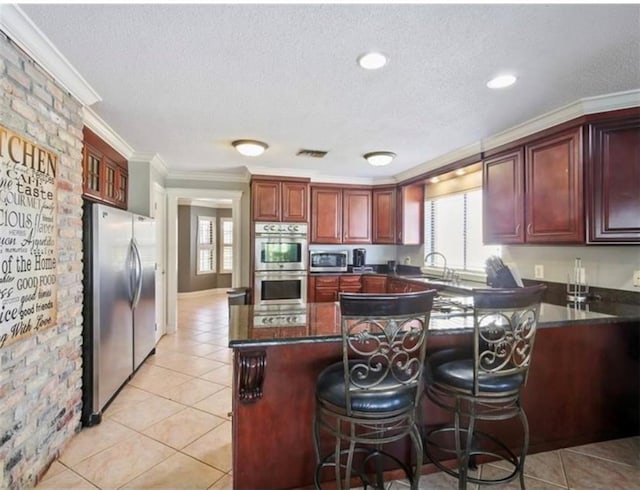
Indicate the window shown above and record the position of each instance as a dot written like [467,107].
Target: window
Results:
[227,245]
[206,244]
[453,226]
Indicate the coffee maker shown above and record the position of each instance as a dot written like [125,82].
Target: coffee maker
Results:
[359,257]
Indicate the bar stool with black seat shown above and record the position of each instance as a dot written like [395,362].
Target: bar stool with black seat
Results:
[485,385]
[370,398]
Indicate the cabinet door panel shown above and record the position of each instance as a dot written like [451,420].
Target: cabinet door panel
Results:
[384,216]
[326,211]
[104,171]
[357,216]
[326,295]
[614,182]
[374,284]
[265,197]
[93,170]
[502,194]
[554,189]
[295,201]
[327,281]
[410,215]
[351,284]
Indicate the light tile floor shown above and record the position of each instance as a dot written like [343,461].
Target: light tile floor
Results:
[169,427]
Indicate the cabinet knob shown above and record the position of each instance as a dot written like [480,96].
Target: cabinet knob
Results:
[517,228]
[529,229]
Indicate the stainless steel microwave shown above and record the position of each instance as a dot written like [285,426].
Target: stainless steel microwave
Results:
[328,260]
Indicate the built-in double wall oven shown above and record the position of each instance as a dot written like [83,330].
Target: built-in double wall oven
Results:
[281,251]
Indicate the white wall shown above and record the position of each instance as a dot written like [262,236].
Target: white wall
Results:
[605,266]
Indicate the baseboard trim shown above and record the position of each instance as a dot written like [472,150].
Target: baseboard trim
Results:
[203,292]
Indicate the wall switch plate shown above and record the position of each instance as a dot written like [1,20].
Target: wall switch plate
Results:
[636,279]
[538,271]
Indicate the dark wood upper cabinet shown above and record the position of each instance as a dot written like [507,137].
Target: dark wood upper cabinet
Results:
[295,201]
[356,225]
[279,200]
[410,215]
[613,181]
[265,200]
[554,201]
[340,215]
[326,215]
[384,215]
[393,215]
[105,173]
[503,200]
[534,194]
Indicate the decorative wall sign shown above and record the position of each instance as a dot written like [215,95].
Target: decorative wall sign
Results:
[28,230]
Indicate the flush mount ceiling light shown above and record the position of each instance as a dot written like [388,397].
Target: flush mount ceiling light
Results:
[372,60]
[250,148]
[434,180]
[460,171]
[379,158]
[501,81]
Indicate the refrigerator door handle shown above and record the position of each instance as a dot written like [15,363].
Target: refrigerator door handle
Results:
[131,283]
[138,274]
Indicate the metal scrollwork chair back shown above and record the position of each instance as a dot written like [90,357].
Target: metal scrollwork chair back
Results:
[505,323]
[370,398]
[485,384]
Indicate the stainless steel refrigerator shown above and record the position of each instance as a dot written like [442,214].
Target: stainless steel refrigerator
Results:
[119,302]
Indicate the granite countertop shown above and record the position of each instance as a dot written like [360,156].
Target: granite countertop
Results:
[320,322]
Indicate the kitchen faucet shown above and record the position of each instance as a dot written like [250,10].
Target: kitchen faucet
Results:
[444,268]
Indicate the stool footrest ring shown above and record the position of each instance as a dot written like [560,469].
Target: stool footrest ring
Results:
[509,456]
[371,454]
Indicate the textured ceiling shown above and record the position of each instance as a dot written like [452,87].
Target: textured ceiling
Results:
[184,81]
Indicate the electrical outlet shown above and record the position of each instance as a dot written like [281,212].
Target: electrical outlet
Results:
[636,279]
[538,271]
[407,260]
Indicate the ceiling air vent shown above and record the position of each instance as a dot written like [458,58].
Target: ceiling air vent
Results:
[311,153]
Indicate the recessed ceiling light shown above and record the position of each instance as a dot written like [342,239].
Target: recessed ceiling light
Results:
[250,148]
[434,180]
[372,60]
[379,158]
[460,171]
[501,81]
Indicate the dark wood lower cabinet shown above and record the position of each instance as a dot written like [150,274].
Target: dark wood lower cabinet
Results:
[583,387]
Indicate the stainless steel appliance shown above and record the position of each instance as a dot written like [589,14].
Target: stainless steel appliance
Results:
[328,260]
[359,257]
[281,246]
[287,287]
[119,307]
[268,316]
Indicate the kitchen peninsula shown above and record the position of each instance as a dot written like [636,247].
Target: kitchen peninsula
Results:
[583,384]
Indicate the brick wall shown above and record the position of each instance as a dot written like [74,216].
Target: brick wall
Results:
[41,376]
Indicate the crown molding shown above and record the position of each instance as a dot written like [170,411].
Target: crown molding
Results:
[21,30]
[611,102]
[153,159]
[581,107]
[208,176]
[280,171]
[96,124]
[441,161]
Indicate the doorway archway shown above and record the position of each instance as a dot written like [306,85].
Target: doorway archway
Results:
[172,241]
